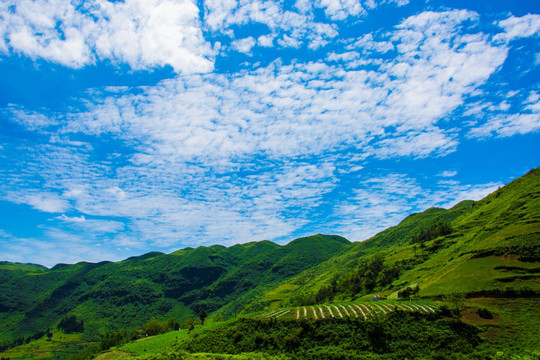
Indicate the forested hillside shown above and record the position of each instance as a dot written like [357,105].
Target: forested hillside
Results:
[108,296]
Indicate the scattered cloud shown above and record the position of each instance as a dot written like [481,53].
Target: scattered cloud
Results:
[224,157]
[60,247]
[448,173]
[507,125]
[382,202]
[44,201]
[73,219]
[519,27]
[244,45]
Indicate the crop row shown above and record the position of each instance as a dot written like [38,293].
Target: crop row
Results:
[363,311]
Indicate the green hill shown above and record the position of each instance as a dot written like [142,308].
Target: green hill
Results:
[487,251]
[108,296]
[489,246]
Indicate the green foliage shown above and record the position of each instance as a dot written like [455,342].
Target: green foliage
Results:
[439,229]
[408,292]
[370,275]
[399,336]
[153,344]
[71,325]
[485,313]
[456,300]
[189,324]
[154,327]
[203,315]
[114,339]
[112,296]
[151,328]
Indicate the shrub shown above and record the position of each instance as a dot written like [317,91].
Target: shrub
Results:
[485,314]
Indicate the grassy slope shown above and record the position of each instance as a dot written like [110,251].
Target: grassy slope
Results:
[504,221]
[507,219]
[9,270]
[59,346]
[392,243]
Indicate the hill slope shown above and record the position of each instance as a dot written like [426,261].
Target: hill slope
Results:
[128,293]
[487,245]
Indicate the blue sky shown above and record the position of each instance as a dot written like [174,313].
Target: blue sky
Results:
[140,125]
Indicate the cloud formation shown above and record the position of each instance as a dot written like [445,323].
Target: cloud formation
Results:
[271,149]
[142,33]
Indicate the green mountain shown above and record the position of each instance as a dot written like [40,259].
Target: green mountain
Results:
[485,251]
[126,294]
[486,246]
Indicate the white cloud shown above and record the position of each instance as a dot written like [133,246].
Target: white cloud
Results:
[44,201]
[289,42]
[60,247]
[310,108]
[448,173]
[367,44]
[238,157]
[74,219]
[381,202]
[289,28]
[266,40]
[341,9]
[244,45]
[519,27]
[31,120]
[141,33]
[507,125]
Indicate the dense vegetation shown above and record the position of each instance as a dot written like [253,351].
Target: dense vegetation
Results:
[106,296]
[401,335]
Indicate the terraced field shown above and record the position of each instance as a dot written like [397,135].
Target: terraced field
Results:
[360,310]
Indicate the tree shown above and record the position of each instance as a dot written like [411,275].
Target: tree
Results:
[71,325]
[153,327]
[189,324]
[203,315]
[172,324]
[457,299]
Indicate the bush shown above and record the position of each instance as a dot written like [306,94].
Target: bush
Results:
[71,325]
[485,314]
[400,335]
